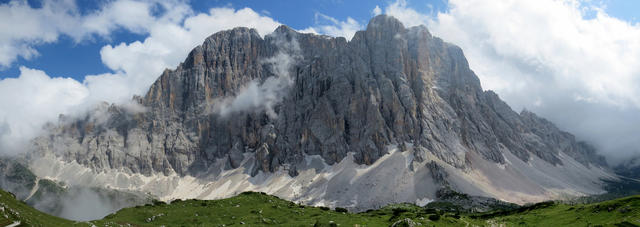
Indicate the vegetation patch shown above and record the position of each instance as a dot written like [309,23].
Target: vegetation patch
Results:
[259,209]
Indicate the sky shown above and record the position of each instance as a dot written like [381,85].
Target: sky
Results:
[575,62]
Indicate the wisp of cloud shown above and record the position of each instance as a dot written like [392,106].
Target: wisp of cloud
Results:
[256,96]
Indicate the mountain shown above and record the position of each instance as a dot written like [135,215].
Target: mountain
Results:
[393,115]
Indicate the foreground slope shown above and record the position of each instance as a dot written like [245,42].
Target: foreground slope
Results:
[261,209]
[70,202]
[318,119]
[257,209]
[15,211]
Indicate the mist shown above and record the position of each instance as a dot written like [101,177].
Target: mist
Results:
[84,204]
[259,96]
[80,203]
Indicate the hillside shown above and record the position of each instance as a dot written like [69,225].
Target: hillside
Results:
[13,211]
[255,209]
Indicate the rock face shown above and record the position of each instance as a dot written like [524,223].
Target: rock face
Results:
[629,168]
[389,85]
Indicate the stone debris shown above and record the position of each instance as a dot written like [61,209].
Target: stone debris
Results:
[153,218]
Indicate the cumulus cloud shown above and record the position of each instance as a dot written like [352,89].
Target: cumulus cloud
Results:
[409,16]
[566,60]
[30,101]
[327,25]
[59,17]
[35,98]
[256,96]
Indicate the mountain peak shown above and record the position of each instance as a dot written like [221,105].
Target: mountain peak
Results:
[284,29]
[385,22]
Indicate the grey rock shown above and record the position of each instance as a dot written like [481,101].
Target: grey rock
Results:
[437,173]
[388,85]
[407,222]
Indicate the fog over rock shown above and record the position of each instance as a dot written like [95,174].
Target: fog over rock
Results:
[395,107]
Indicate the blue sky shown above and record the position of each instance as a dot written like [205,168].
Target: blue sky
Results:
[67,58]
[575,62]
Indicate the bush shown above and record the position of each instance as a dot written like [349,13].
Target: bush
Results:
[434,217]
[341,210]
[430,211]
[456,215]
[324,208]
[398,211]
[158,202]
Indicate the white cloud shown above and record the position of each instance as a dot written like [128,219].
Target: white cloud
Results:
[61,17]
[134,16]
[327,25]
[30,101]
[581,72]
[408,16]
[376,11]
[34,29]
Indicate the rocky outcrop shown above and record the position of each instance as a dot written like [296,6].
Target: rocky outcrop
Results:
[389,85]
[629,168]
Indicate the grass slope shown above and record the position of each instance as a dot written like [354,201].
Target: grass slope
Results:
[618,212]
[259,209]
[13,210]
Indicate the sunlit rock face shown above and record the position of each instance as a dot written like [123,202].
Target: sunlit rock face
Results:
[243,107]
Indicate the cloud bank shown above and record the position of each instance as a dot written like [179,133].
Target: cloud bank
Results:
[30,101]
[568,61]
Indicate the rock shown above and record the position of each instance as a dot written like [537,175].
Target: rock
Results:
[407,222]
[389,85]
[235,156]
[437,173]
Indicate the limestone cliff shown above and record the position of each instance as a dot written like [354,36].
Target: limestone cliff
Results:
[388,86]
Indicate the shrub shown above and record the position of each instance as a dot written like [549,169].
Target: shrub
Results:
[158,202]
[398,211]
[341,210]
